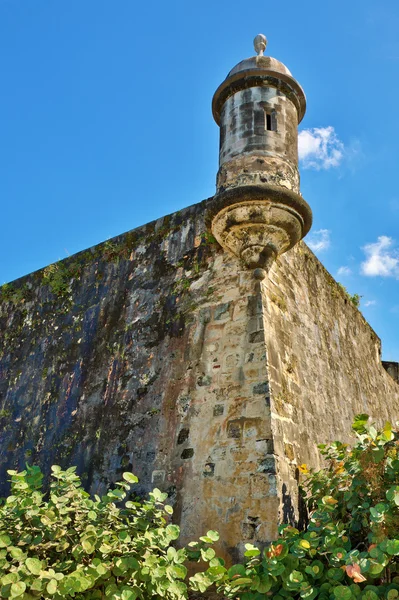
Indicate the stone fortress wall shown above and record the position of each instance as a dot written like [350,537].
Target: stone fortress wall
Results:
[155,352]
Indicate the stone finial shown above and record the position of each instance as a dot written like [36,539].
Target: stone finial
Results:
[260,43]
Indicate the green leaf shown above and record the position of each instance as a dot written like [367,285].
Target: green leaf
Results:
[369,595]
[17,589]
[387,432]
[157,495]
[206,539]
[393,494]
[88,546]
[251,550]
[173,531]
[295,577]
[16,552]
[342,592]
[236,570]
[242,581]
[216,570]
[375,568]
[4,541]
[213,535]
[208,554]
[378,455]
[130,478]
[34,565]
[392,547]
[372,432]
[180,556]
[10,578]
[171,553]
[178,571]
[37,585]
[359,423]
[309,593]
[129,594]
[264,584]
[52,586]
[335,574]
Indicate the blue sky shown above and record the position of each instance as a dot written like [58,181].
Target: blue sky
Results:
[106,124]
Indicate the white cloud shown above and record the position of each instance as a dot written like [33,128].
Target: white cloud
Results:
[382,259]
[319,240]
[320,148]
[370,303]
[344,271]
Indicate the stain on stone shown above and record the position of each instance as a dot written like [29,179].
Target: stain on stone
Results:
[289,451]
[172,494]
[234,429]
[204,380]
[218,410]
[267,465]
[209,469]
[221,311]
[158,477]
[248,530]
[256,336]
[183,435]
[261,388]
[187,453]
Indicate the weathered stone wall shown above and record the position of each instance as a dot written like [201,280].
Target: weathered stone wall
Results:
[155,353]
[324,365]
[145,353]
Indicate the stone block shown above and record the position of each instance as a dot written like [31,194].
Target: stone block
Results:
[221,312]
[157,477]
[259,485]
[234,429]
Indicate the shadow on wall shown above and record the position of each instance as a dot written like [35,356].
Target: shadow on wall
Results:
[289,509]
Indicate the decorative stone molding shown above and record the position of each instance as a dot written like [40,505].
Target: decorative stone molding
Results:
[257,223]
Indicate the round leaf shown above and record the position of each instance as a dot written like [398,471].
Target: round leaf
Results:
[4,541]
[392,547]
[17,589]
[52,586]
[130,478]
[34,565]
[342,592]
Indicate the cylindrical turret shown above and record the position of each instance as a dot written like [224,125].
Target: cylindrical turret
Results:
[258,211]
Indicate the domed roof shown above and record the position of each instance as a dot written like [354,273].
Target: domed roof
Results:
[260,62]
[256,69]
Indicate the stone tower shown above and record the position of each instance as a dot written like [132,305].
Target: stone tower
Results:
[258,212]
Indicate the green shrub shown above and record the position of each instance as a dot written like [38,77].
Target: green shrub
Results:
[69,545]
[350,549]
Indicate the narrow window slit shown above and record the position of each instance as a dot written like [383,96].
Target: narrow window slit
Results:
[270,119]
